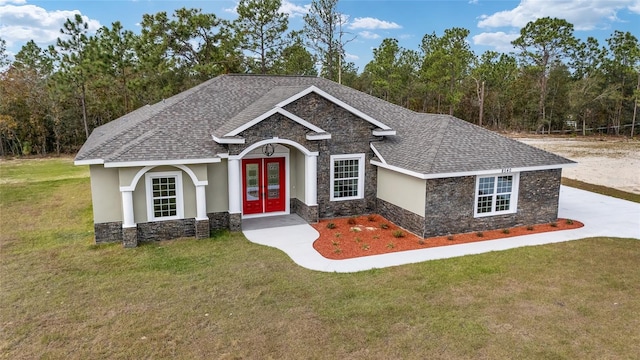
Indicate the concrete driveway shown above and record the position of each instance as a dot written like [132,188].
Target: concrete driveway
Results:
[601,215]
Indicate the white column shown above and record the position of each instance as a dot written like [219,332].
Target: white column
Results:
[233,171]
[311,180]
[201,203]
[127,209]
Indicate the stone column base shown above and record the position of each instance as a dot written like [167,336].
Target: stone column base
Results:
[235,222]
[130,237]
[202,229]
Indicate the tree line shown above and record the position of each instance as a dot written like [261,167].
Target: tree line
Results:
[52,98]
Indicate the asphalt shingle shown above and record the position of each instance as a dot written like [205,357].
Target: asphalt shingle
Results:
[181,127]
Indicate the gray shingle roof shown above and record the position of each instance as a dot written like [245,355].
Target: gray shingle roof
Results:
[181,127]
[443,144]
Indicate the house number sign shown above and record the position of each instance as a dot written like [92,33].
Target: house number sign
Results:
[506,170]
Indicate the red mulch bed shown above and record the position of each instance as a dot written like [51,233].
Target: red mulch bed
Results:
[366,235]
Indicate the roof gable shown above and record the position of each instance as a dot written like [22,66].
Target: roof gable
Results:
[268,100]
[333,99]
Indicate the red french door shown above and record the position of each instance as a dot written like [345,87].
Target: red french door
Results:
[263,185]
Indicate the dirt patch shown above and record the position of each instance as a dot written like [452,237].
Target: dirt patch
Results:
[610,162]
[347,238]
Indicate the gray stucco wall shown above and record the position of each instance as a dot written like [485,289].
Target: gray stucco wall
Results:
[105,194]
[450,202]
[402,190]
[297,174]
[218,188]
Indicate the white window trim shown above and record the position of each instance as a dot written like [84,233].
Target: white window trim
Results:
[361,164]
[513,205]
[179,196]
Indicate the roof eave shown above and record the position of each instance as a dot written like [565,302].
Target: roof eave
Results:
[118,164]
[425,176]
[88,162]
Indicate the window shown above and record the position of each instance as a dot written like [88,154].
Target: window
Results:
[164,195]
[496,194]
[347,177]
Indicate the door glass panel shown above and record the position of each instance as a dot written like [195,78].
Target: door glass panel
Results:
[251,171]
[273,180]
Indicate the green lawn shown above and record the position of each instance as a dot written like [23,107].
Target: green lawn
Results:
[62,297]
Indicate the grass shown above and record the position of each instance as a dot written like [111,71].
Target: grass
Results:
[62,297]
[599,189]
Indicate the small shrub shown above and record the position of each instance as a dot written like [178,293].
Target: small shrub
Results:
[365,247]
[331,225]
[506,231]
[376,237]
[421,241]
[398,234]
[479,234]
[569,222]
[337,250]
[335,243]
[338,235]
[384,226]
[351,220]
[530,227]
[358,240]
[371,218]
[391,245]
[554,224]
[450,237]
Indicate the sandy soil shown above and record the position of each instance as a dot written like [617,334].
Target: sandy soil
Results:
[609,162]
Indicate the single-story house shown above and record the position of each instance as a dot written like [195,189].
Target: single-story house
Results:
[242,146]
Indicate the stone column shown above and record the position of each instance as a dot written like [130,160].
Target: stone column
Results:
[235,199]
[129,228]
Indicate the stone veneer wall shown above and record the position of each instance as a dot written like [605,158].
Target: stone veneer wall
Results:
[308,213]
[218,221]
[401,217]
[450,202]
[108,232]
[349,135]
[159,230]
[166,230]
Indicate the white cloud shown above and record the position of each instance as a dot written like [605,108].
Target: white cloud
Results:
[368,35]
[232,10]
[286,7]
[17,2]
[370,23]
[19,24]
[473,2]
[584,15]
[351,56]
[499,40]
[294,10]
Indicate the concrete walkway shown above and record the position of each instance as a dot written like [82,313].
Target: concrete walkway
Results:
[601,215]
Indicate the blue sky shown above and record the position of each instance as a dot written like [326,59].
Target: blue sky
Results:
[492,23]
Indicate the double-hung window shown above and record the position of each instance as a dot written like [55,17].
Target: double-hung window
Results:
[347,177]
[164,195]
[496,194]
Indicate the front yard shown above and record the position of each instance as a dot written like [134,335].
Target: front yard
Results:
[62,297]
